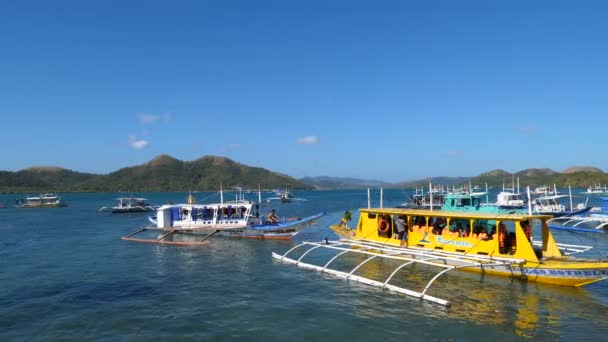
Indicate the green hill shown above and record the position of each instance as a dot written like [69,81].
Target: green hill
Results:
[325,182]
[163,173]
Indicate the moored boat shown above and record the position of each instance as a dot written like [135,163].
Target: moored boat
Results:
[235,219]
[550,205]
[48,200]
[130,205]
[596,189]
[498,244]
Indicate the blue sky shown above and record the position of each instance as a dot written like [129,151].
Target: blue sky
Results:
[388,90]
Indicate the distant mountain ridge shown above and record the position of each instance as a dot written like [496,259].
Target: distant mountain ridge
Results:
[326,182]
[166,173]
[163,173]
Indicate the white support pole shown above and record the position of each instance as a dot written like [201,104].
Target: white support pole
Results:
[259,194]
[381,198]
[221,194]
[369,204]
[518,185]
[529,202]
[487,199]
[431,195]
[570,192]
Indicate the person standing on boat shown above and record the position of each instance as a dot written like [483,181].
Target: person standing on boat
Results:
[401,228]
[272,217]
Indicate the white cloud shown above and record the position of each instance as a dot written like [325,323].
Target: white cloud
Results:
[137,144]
[145,119]
[308,140]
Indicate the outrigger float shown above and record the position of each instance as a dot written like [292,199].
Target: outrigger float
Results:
[192,224]
[498,244]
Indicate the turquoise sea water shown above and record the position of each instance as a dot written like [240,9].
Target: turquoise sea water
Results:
[66,275]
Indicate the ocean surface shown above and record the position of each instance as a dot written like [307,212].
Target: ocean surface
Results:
[65,274]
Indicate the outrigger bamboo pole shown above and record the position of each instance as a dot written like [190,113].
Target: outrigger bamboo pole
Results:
[164,236]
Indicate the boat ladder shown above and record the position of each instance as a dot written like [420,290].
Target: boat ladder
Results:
[446,261]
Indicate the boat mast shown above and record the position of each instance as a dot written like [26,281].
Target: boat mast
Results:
[570,192]
[431,195]
[529,202]
[487,200]
[221,194]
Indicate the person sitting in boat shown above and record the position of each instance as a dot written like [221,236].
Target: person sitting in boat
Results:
[483,234]
[272,217]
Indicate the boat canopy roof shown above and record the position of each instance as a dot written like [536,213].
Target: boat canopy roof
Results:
[131,198]
[456,214]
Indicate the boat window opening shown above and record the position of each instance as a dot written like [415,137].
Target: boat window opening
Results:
[452,202]
[476,202]
[507,242]
[460,227]
[482,229]
[536,225]
[395,228]
[371,215]
[419,223]
[437,224]
[465,202]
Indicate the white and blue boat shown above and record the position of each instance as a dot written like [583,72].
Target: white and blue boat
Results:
[198,222]
[596,222]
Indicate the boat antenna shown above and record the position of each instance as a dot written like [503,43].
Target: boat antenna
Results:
[369,205]
[381,197]
[518,184]
[259,193]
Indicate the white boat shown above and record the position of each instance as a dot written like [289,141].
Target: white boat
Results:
[130,205]
[238,218]
[286,197]
[596,222]
[544,190]
[550,205]
[48,200]
[596,189]
[507,199]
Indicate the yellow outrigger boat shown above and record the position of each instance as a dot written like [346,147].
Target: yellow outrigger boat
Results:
[499,244]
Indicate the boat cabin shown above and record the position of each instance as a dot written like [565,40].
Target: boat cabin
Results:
[508,235]
[204,215]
